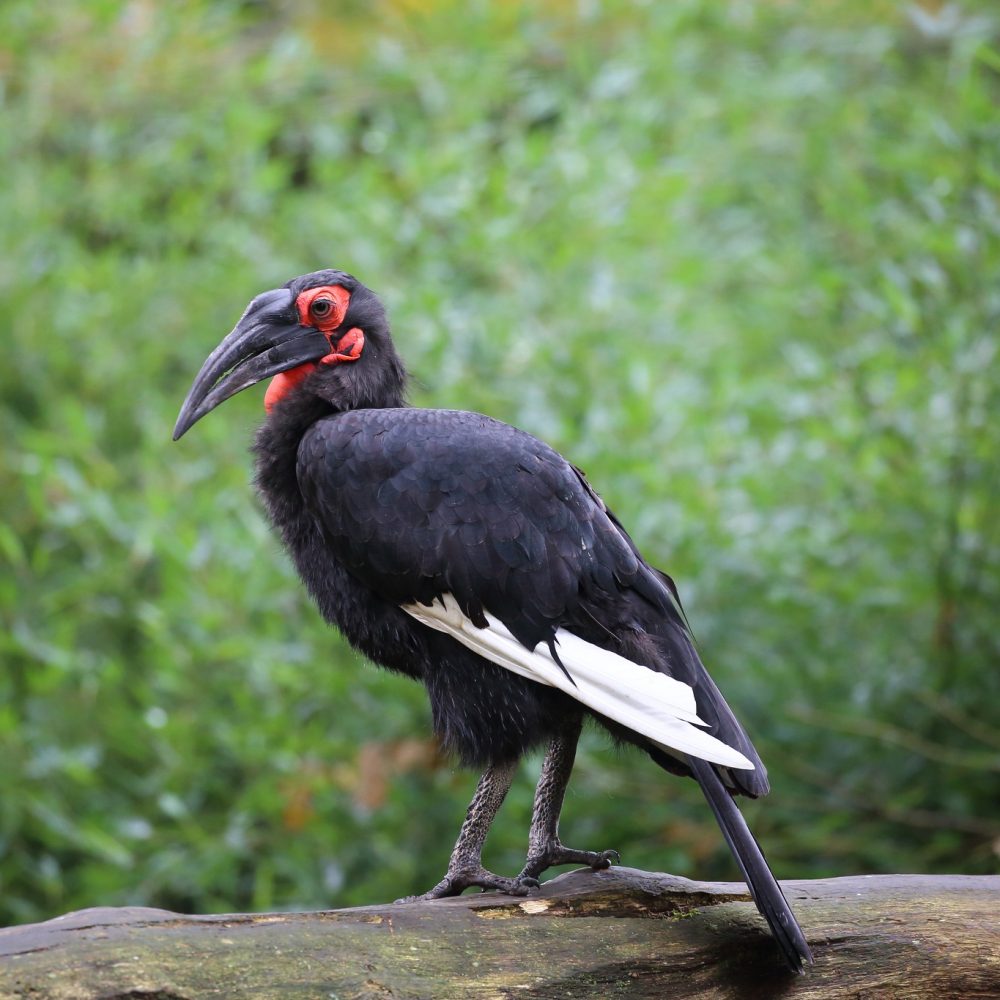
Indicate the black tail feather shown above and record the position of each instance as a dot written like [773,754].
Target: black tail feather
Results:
[764,888]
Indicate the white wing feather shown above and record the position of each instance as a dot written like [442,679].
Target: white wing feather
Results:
[649,703]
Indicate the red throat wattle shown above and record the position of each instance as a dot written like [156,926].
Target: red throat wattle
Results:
[281,385]
[349,347]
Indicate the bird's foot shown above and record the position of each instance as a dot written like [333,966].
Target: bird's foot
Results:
[456,882]
[554,853]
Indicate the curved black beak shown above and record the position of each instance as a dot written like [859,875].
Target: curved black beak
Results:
[267,340]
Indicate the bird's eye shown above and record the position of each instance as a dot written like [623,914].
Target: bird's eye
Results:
[321,308]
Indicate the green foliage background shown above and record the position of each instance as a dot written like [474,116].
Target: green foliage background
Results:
[738,260]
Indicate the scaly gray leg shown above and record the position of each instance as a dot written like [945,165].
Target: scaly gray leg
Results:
[544,848]
[466,866]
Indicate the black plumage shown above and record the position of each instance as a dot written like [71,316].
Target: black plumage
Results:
[384,506]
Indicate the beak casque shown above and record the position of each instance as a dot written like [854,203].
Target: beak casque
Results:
[268,340]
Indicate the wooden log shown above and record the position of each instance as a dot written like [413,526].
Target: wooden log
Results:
[618,933]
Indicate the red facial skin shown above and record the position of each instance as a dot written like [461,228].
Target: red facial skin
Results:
[310,315]
[324,309]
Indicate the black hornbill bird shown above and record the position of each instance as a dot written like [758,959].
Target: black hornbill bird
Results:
[469,555]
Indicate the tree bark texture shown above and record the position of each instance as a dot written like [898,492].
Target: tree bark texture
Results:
[616,933]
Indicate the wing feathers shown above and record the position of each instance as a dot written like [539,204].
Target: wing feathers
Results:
[649,703]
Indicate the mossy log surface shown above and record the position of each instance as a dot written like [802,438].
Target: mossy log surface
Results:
[619,933]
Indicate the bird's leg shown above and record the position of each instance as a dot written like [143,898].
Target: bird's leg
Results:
[544,848]
[466,866]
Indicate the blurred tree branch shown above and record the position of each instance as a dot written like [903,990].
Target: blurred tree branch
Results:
[886,733]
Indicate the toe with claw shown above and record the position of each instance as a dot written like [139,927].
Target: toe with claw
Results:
[456,882]
[555,854]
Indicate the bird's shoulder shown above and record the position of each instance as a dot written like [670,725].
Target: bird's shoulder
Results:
[439,439]
[466,463]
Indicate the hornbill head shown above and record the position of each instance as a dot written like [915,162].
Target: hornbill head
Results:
[323,333]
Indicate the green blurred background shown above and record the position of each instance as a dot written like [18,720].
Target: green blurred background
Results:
[738,260]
